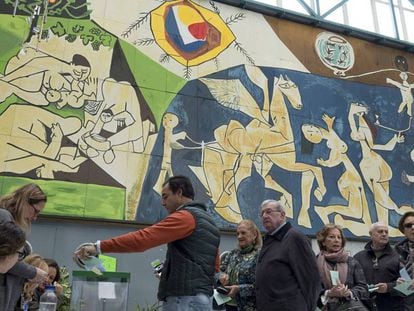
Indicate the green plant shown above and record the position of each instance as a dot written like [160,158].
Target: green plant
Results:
[64,300]
[154,307]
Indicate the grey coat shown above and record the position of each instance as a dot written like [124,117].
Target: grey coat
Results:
[11,283]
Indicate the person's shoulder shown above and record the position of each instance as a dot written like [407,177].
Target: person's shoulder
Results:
[361,254]
[294,233]
[352,261]
[401,246]
[5,215]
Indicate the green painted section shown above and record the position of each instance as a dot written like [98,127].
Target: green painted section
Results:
[13,31]
[158,85]
[85,30]
[74,199]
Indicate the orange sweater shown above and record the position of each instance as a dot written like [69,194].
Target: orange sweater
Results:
[175,226]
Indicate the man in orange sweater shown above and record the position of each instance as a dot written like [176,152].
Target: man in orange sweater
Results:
[193,239]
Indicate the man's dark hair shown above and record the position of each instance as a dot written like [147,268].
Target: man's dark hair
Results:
[12,238]
[181,182]
[402,220]
[79,60]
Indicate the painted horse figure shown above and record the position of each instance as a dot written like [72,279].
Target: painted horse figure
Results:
[267,140]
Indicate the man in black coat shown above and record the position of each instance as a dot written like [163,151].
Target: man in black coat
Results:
[287,276]
[381,268]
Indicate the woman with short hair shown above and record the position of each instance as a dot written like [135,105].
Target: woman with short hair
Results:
[342,276]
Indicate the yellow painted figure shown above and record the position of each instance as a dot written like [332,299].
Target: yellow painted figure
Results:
[349,184]
[376,171]
[169,121]
[31,139]
[41,79]
[261,143]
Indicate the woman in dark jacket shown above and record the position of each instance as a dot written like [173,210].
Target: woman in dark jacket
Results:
[342,276]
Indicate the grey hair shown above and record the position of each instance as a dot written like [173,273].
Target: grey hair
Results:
[376,224]
[277,204]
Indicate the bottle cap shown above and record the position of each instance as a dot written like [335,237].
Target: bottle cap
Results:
[50,287]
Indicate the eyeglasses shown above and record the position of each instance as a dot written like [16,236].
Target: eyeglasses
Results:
[409,225]
[267,211]
[35,210]
[21,255]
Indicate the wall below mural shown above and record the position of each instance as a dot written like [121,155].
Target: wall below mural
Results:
[99,106]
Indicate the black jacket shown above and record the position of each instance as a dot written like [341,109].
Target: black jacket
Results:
[385,270]
[287,277]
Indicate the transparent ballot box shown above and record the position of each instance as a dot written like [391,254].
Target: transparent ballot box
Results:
[106,292]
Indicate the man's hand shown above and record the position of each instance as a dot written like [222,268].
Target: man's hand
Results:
[382,288]
[339,290]
[234,290]
[224,278]
[40,277]
[86,251]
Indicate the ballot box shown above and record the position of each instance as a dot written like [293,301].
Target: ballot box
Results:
[107,291]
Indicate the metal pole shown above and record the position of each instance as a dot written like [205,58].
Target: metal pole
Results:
[394,18]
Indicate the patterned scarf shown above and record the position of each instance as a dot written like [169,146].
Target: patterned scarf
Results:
[340,259]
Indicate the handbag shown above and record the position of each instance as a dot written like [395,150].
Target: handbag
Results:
[352,305]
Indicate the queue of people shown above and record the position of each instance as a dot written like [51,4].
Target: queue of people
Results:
[277,272]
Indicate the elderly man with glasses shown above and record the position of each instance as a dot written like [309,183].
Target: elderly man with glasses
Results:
[287,276]
[381,268]
[406,251]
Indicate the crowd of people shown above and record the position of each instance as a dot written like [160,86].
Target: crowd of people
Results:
[276,272]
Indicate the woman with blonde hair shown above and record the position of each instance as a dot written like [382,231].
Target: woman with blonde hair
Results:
[343,279]
[29,295]
[21,207]
[239,267]
[24,205]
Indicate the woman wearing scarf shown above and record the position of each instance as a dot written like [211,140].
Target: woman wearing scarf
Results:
[239,267]
[342,277]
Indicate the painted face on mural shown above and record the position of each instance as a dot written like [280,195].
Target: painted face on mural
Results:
[170,120]
[312,133]
[79,72]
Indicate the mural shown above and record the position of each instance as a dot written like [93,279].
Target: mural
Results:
[100,102]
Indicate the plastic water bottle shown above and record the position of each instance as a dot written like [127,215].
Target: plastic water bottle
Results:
[48,301]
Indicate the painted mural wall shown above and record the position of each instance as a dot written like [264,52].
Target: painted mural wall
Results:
[101,101]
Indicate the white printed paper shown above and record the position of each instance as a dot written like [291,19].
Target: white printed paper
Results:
[220,298]
[404,274]
[106,290]
[406,288]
